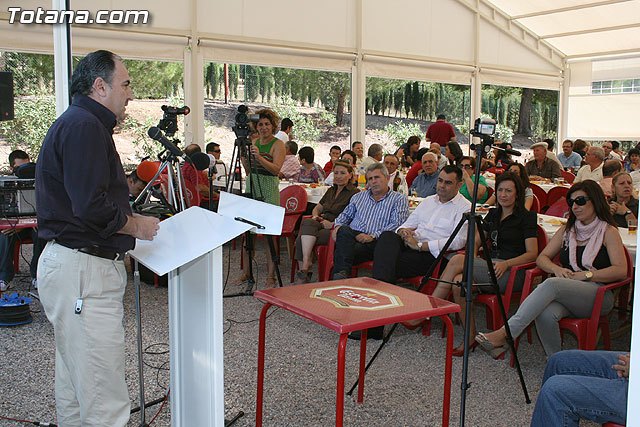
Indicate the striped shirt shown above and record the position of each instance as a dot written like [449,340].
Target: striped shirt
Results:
[369,216]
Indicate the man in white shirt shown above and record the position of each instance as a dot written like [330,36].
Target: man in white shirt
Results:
[609,154]
[374,155]
[286,126]
[593,169]
[414,246]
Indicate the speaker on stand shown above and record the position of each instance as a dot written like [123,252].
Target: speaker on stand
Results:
[6,95]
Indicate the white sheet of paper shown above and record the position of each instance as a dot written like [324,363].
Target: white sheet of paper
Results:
[184,237]
[265,214]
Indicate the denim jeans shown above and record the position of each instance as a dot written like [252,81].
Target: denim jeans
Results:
[349,251]
[7,245]
[578,385]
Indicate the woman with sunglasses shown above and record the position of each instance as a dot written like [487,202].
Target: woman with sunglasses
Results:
[591,254]
[468,166]
[623,205]
[512,235]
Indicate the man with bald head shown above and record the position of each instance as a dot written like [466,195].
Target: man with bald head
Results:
[594,160]
[425,183]
[442,160]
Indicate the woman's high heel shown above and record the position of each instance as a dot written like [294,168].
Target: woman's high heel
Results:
[488,347]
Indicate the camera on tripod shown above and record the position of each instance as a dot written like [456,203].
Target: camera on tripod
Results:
[169,121]
[242,129]
[484,129]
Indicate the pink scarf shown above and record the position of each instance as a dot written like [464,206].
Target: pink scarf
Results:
[593,234]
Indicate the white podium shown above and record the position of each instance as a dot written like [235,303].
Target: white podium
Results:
[189,247]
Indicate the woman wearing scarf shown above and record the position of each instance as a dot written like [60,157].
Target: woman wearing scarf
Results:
[591,254]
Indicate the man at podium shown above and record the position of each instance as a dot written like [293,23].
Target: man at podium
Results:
[85,217]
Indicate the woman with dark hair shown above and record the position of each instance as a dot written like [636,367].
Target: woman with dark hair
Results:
[633,162]
[453,152]
[521,172]
[316,230]
[267,156]
[407,152]
[512,234]
[591,254]
[468,166]
[622,204]
[580,147]
[347,156]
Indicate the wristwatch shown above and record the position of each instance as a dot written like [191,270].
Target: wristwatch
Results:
[627,212]
[419,246]
[588,275]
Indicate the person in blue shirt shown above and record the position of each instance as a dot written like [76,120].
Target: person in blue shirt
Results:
[425,183]
[569,159]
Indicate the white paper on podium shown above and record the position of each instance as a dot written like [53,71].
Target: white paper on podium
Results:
[265,214]
[184,237]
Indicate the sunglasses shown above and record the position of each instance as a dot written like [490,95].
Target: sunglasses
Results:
[467,166]
[580,201]
[216,151]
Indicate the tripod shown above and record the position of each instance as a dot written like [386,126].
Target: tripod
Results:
[473,221]
[176,201]
[241,146]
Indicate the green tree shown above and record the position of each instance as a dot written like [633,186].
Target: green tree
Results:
[234,79]
[251,82]
[407,98]
[33,117]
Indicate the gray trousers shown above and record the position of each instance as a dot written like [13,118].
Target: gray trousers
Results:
[552,300]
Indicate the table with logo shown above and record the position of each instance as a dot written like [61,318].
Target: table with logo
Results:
[351,305]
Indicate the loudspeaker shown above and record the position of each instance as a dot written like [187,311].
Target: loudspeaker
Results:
[6,95]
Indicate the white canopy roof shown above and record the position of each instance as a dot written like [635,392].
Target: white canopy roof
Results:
[579,28]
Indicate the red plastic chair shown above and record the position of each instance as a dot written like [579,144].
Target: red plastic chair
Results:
[555,194]
[16,252]
[586,329]
[568,176]
[559,209]
[612,425]
[535,206]
[294,201]
[321,254]
[540,194]
[494,317]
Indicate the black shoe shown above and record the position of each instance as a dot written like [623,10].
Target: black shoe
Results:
[340,275]
[372,334]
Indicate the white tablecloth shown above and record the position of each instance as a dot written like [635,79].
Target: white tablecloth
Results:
[313,194]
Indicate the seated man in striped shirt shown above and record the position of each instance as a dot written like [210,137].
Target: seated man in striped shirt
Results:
[368,215]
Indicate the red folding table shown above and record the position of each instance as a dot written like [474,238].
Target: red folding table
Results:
[353,305]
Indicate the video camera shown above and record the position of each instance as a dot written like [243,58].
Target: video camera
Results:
[169,121]
[241,128]
[485,129]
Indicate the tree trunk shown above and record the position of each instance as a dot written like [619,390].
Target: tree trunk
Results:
[342,96]
[524,119]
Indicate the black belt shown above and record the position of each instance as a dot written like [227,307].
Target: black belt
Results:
[96,250]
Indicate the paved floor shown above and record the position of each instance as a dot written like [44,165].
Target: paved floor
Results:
[404,386]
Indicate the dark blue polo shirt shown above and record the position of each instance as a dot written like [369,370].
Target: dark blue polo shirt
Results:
[82,197]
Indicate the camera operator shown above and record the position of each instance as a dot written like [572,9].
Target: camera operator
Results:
[267,155]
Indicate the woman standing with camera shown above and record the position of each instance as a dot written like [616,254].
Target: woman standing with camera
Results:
[267,156]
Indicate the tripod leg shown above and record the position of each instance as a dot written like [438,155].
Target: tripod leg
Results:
[503,312]
[274,258]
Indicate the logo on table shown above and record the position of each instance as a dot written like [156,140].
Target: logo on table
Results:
[357,298]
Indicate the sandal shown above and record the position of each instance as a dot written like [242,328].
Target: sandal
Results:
[489,348]
[459,350]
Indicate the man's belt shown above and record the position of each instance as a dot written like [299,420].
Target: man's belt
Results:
[96,250]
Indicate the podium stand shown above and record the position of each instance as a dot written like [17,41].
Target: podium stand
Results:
[189,247]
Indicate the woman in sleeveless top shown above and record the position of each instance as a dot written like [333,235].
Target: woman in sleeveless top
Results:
[591,254]
[267,156]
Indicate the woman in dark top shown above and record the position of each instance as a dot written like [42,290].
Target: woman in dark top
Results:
[407,152]
[453,152]
[317,229]
[511,231]
[622,204]
[591,253]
